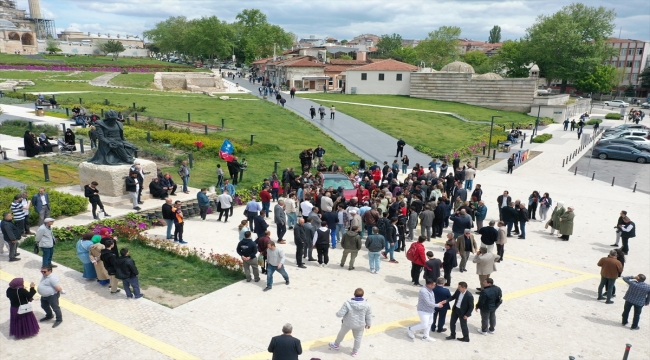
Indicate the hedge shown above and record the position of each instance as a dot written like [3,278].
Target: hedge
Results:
[542,138]
[61,204]
[613,116]
[594,121]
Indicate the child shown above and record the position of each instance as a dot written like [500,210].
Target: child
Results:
[128,273]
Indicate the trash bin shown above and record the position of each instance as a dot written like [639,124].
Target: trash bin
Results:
[40,111]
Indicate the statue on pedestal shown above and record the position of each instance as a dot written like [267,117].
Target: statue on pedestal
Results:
[112,148]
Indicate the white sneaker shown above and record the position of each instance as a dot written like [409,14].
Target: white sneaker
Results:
[491,332]
[410,333]
[371,271]
[481,331]
[429,339]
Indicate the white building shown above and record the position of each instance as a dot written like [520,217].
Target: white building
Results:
[631,55]
[385,77]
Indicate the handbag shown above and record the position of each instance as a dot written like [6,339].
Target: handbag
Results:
[23,309]
[35,248]
[245,212]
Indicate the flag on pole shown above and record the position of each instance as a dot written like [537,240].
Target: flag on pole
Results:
[226,151]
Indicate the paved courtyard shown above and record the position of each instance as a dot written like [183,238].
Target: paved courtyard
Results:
[550,309]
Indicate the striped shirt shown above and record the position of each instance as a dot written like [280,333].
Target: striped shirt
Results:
[18,210]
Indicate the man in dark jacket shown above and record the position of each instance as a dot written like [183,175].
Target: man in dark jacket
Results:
[391,238]
[524,217]
[461,222]
[509,215]
[126,271]
[440,314]
[156,189]
[132,187]
[502,202]
[432,267]
[489,236]
[285,346]
[302,237]
[461,310]
[11,234]
[351,244]
[488,302]
[449,261]
[92,193]
[109,259]
[260,224]
[168,215]
[168,184]
[400,147]
[247,249]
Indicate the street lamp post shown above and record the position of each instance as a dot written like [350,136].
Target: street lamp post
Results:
[491,128]
[536,122]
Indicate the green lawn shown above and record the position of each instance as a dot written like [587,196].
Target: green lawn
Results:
[136,80]
[174,274]
[7,59]
[30,172]
[108,60]
[32,75]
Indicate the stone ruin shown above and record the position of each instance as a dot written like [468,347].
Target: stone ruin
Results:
[206,83]
[15,84]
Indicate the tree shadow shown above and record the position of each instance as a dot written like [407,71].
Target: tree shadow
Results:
[602,321]
[394,279]
[582,294]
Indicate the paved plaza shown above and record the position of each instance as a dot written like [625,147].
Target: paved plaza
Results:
[550,309]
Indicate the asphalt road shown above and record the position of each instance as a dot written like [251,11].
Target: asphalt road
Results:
[626,172]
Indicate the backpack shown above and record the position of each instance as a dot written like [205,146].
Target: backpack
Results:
[410,254]
[381,225]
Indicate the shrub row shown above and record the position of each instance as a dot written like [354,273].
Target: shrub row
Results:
[542,138]
[613,116]
[594,121]
[61,204]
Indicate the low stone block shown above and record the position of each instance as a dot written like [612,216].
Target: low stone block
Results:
[111,178]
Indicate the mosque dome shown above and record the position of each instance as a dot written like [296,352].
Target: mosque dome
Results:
[71,29]
[6,24]
[458,67]
[488,76]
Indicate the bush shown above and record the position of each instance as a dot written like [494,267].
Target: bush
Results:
[542,138]
[594,121]
[17,128]
[61,204]
[613,116]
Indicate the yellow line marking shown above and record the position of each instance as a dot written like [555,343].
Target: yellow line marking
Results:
[375,329]
[117,327]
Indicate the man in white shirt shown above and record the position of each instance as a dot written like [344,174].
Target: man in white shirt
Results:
[50,290]
[292,212]
[305,209]
[225,203]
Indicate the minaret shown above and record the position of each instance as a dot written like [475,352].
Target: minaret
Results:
[34,9]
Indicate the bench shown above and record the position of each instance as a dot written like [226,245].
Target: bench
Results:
[23,153]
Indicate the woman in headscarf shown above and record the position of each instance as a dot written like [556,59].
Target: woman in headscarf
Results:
[31,149]
[566,224]
[70,139]
[555,217]
[83,252]
[21,325]
[44,142]
[94,252]
[105,234]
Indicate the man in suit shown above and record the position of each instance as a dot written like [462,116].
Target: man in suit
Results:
[260,224]
[440,314]
[466,245]
[485,265]
[285,346]
[449,261]
[41,202]
[503,201]
[488,302]
[460,192]
[510,216]
[461,310]
[280,219]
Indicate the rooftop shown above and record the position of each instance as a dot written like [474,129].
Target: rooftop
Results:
[386,65]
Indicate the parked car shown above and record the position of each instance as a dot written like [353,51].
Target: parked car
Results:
[625,127]
[645,105]
[624,142]
[336,180]
[638,139]
[621,152]
[624,133]
[619,103]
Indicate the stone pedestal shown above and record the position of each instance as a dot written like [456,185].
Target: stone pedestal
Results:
[111,178]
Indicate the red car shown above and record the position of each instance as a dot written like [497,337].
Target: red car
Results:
[336,180]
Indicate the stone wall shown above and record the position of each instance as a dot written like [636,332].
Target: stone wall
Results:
[111,177]
[506,94]
[551,100]
[196,82]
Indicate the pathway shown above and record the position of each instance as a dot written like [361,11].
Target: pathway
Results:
[103,80]
[357,136]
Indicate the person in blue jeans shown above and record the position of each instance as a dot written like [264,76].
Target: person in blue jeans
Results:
[274,262]
[637,296]
[45,240]
[524,217]
[128,273]
[168,216]
[184,173]
[391,240]
[374,244]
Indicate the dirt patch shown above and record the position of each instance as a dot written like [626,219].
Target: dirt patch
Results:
[162,297]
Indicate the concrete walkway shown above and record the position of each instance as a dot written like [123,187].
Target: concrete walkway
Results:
[358,137]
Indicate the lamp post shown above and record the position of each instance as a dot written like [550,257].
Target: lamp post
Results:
[536,123]
[491,128]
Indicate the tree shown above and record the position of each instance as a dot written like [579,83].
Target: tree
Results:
[256,37]
[345,57]
[629,91]
[645,77]
[475,58]
[601,80]
[440,47]
[495,35]
[387,44]
[52,46]
[405,54]
[343,42]
[112,47]
[570,43]
[511,60]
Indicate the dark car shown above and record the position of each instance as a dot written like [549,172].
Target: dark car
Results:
[624,142]
[621,152]
[624,127]
[336,180]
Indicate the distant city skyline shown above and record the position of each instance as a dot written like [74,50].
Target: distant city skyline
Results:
[339,19]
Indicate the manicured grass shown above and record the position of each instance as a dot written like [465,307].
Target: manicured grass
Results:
[470,112]
[108,60]
[17,128]
[136,80]
[14,59]
[172,273]
[32,75]
[30,172]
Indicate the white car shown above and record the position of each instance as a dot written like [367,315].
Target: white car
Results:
[619,103]
[645,105]
[625,133]
[638,139]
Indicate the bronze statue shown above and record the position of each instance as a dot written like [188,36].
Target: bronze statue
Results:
[112,148]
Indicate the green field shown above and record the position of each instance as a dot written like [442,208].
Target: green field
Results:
[30,172]
[135,80]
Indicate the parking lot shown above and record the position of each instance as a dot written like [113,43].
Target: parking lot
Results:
[626,172]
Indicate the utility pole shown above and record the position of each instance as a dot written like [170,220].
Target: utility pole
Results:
[491,127]
[274,57]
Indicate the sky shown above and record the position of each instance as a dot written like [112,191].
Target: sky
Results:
[340,19]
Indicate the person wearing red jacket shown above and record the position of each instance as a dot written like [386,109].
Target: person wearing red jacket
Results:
[363,194]
[416,254]
[376,175]
[265,196]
